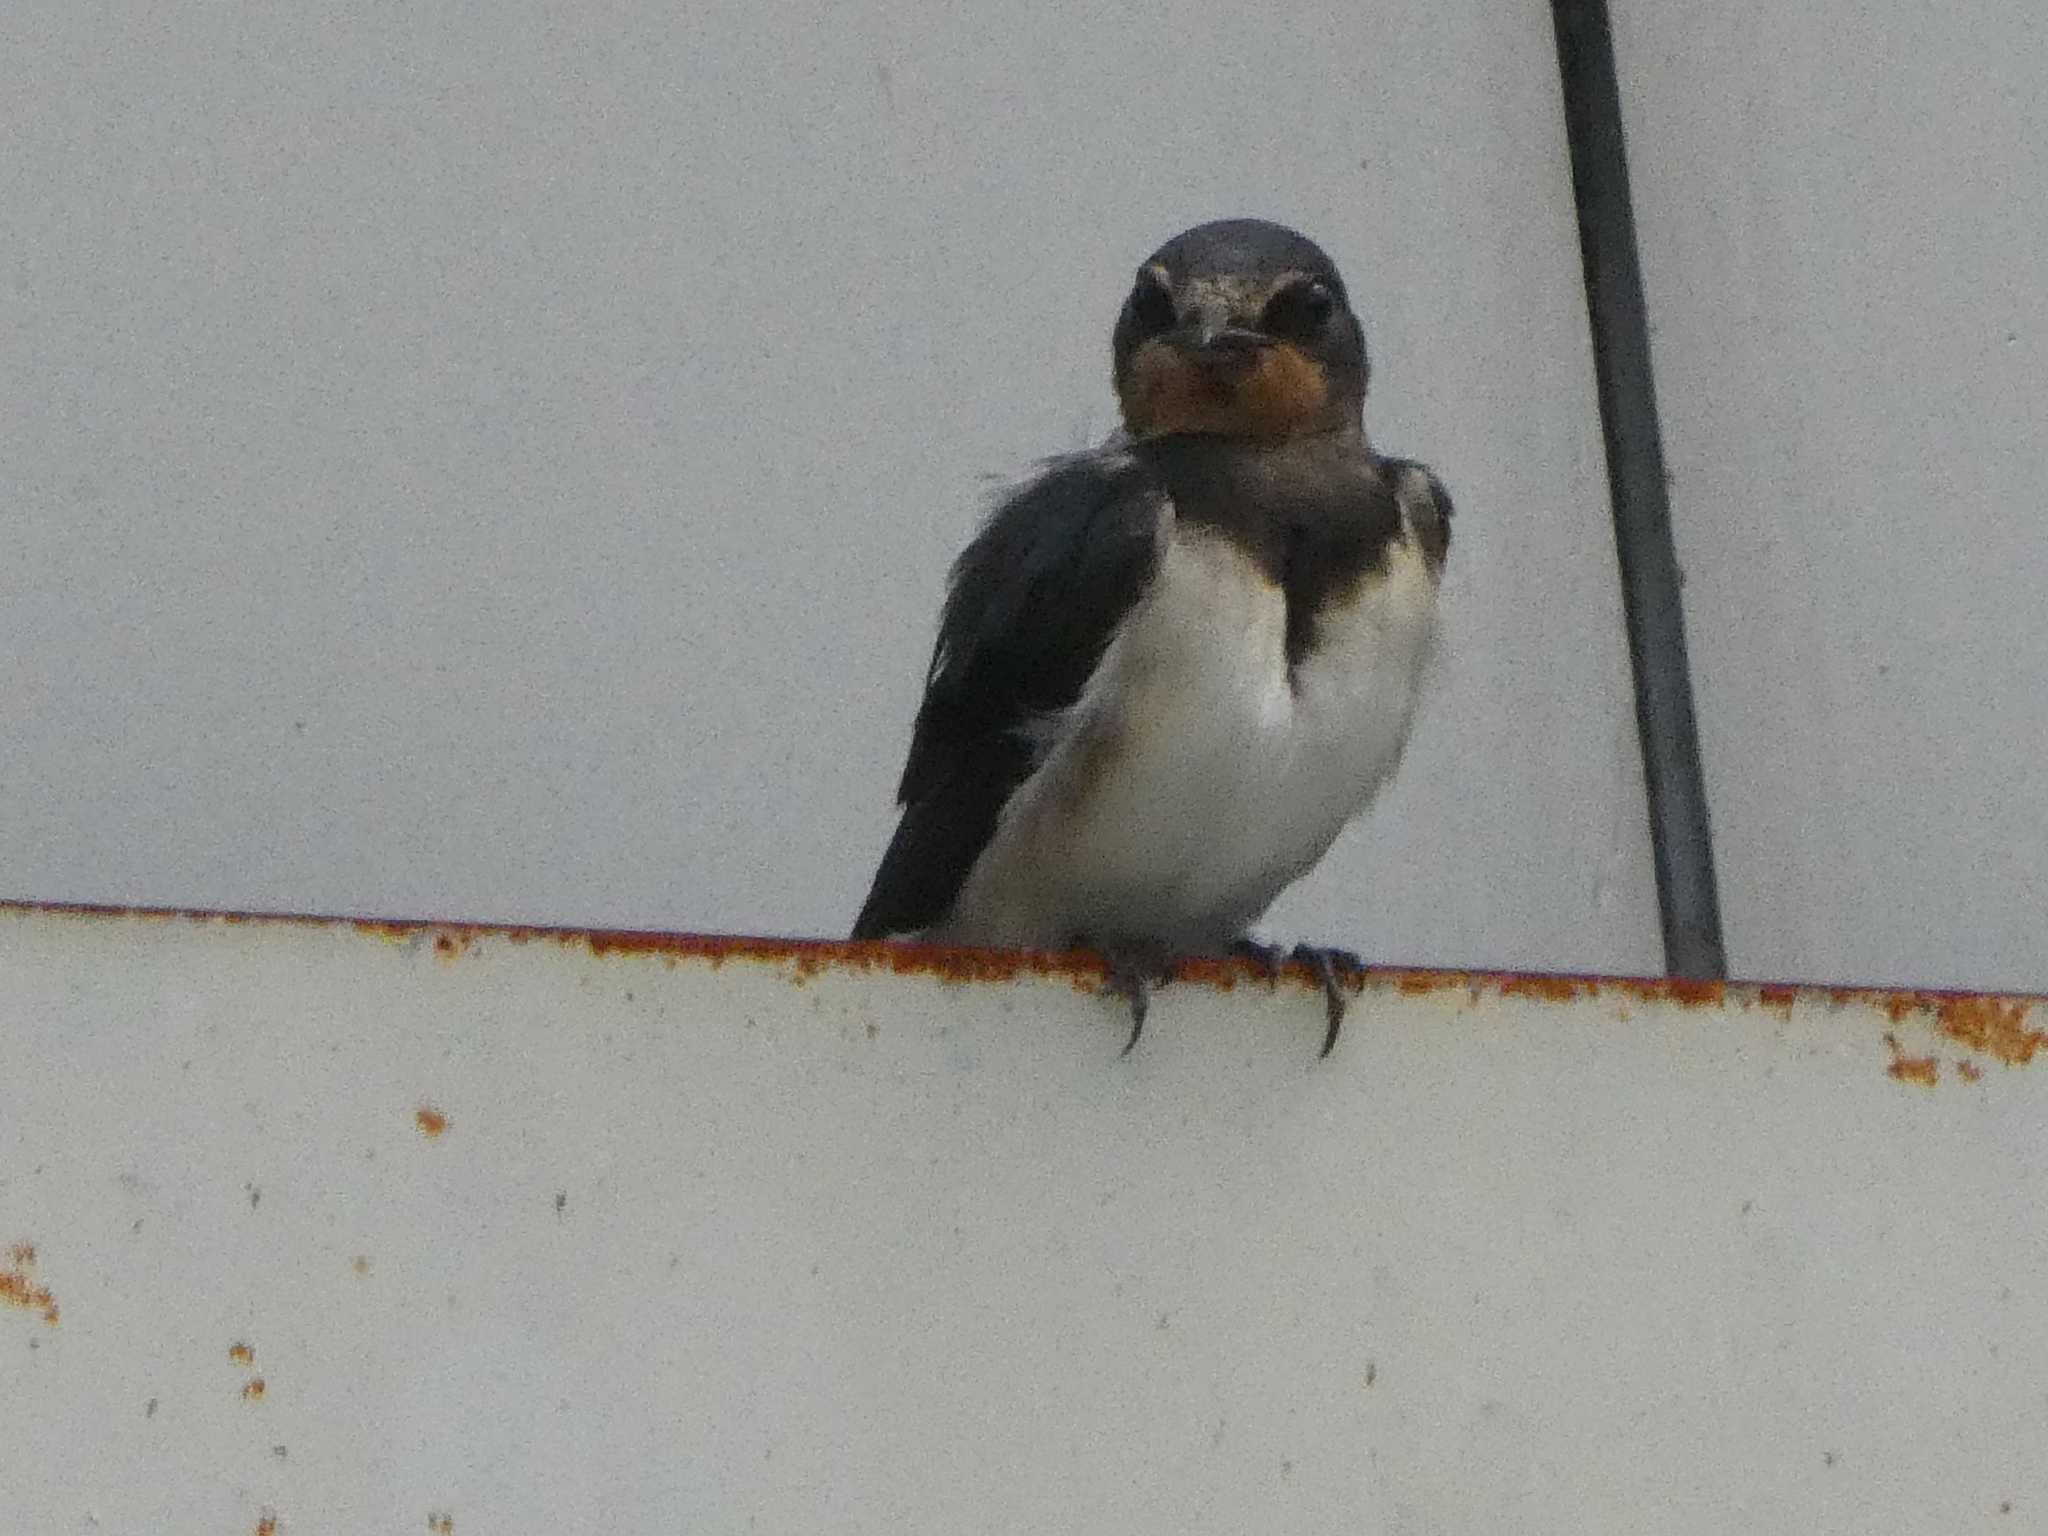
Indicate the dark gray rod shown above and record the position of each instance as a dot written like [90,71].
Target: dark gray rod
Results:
[1680,835]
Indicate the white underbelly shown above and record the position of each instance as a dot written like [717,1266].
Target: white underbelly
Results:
[1199,775]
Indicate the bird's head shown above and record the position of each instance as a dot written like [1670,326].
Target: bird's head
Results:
[1239,328]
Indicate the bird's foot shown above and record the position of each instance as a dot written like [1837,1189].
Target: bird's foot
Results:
[1340,971]
[1266,958]
[1131,968]
[1342,974]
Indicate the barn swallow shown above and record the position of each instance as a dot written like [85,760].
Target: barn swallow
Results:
[1171,668]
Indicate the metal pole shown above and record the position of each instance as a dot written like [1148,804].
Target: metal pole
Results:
[1680,835]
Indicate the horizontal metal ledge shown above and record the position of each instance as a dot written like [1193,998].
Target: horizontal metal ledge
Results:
[1994,1025]
[348,1225]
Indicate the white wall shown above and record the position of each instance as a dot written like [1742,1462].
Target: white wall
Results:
[1845,243]
[502,462]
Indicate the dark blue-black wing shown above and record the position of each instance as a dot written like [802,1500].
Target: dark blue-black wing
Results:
[1033,603]
[1425,505]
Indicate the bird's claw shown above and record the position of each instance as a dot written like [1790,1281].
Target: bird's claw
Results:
[1339,971]
[1342,973]
[1131,968]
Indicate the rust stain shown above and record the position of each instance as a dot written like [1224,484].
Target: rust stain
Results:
[253,1388]
[1548,989]
[430,1120]
[360,1264]
[1991,1027]
[241,1354]
[18,1286]
[1671,989]
[266,1525]
[1414,982]
[1994,1026]
[1911,1069]
[441,1525]
[1971,1072]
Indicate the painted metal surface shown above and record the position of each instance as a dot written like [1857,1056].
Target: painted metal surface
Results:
[318,1226]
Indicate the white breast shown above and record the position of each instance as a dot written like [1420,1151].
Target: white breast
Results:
[1198,775]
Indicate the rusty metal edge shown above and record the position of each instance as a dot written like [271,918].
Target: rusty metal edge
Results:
[959,964]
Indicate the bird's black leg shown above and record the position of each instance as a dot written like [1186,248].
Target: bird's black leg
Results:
[1341,972]
[1131,968]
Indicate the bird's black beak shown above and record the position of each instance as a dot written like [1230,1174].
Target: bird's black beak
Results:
[1223,351]
[1221,341]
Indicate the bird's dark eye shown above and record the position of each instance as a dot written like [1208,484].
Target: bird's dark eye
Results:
[1152,308]
[1299,311]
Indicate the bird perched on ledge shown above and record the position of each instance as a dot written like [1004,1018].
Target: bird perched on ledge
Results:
[1170,669]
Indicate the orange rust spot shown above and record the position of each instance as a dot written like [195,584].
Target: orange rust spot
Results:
[441,1525]
[1991,1027]
[1911,1069]
[1418,983]
[1656,989]
[1549,989]
[252,1389]
[241,1354]
[267,1525]
[1777,997]
[18,1287]
[447,946]
[1972,1073]
[430,1121]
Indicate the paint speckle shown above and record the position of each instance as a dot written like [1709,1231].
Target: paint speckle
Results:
[149,1409]
[360,1264]
[431,1121]
[561,1202]
[1372,1372]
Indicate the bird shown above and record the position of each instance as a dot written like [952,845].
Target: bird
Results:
[1171,668]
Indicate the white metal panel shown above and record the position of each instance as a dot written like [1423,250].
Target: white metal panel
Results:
[502,461]
[1845,251]
[732,1237]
